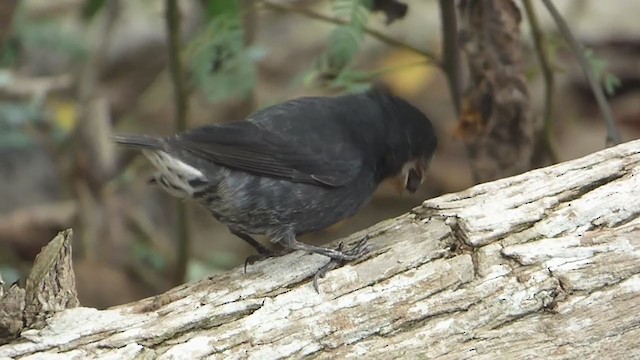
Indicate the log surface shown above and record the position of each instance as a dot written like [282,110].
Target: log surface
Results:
[541,265]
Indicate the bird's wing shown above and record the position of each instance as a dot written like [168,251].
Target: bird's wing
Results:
[246,146]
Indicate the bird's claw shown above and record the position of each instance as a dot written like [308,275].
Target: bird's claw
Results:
[332,264]
[360,249]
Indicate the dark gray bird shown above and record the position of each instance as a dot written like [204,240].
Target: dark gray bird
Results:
[296,167]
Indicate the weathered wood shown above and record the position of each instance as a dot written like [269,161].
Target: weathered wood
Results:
[11,310]
[51,285]
[541,265]
[50,288]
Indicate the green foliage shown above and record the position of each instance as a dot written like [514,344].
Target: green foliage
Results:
[222,65]
[91,8]
[352,81]
[334,65]
[345,40]
[9,52]
[52,37]
[43,35]
[215,8]
[146,254]
[21,119]
[15,118]
[599,66]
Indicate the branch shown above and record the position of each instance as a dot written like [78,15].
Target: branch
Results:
[613,136]
[180,97]
[547,76]
[373,33]
[175,64]
[450,51]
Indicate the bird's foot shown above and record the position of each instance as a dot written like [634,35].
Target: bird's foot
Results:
[360,249]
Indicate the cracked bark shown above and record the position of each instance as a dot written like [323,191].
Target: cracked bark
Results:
[545,264]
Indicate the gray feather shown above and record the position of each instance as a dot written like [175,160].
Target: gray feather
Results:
[139,141]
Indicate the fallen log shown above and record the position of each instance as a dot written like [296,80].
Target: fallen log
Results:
[545,264]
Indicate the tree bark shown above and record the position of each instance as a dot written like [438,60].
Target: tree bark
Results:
[545,264]
[495,121]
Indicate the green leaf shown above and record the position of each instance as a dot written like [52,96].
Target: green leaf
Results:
[222,66]
[9,52]
[215,8]
[91,8]
[146,254]
[14,121]
[343,44]
[611,83]
[608,81]
[51,36]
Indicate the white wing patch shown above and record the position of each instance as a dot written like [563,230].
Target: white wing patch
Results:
[174,175]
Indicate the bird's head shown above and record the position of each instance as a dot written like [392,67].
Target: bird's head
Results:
[410,142]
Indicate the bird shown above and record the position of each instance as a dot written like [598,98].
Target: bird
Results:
[295,167]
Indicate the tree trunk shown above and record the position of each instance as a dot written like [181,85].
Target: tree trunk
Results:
[541,265]
[495,122]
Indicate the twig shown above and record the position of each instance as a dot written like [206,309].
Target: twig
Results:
[94,152]
[175,66]
[373,33]
[613,136]
[249,16]
[37,88]
[450,52]
[548,78]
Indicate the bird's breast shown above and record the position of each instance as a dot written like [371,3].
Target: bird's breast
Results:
[261,205]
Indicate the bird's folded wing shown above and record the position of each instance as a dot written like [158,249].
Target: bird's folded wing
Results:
[246,146]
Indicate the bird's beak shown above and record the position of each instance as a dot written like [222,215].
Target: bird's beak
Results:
[410,177]
[413,175]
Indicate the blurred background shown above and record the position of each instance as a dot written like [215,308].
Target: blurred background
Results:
[73,72]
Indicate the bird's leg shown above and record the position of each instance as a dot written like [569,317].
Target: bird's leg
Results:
[337,256]
[263,251]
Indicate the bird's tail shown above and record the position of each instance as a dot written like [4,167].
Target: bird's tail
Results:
[138,141]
